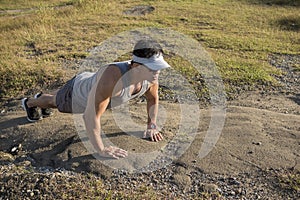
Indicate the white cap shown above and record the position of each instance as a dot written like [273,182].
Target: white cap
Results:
[155,62]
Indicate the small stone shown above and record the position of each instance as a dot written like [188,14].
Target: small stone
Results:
[210,187]
[239,191]
[155,181]
[182,181]
[15,149]
[36,192]
[233,181]
[75,165]
[139,10]
[3,136]
[31,193]
[256,143]
[6,157]
[25,163]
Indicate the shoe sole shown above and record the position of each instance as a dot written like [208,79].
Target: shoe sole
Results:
[24,107]
[36,95]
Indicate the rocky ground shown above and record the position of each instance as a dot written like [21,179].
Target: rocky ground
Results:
[256,157]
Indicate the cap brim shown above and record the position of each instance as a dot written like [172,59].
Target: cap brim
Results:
[157,65]
[156,62]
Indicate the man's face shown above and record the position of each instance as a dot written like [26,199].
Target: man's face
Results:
[147,74]
[151,75]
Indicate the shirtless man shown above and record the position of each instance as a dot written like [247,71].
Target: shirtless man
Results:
[112,85]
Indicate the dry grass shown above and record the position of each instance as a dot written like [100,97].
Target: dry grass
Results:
[36,43]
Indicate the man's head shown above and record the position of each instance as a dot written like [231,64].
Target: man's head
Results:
[147,48]
[150,54]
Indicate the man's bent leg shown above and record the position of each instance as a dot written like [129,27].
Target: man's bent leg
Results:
[43,101]
[32,105]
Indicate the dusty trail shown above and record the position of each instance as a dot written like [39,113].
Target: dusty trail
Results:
[253,137]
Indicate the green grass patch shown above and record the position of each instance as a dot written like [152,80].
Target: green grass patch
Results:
[38,37]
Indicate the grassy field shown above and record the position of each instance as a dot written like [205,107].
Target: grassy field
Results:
[38,38]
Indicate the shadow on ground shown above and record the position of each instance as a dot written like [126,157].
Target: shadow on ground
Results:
[296,99]
[291,23]
[276,2]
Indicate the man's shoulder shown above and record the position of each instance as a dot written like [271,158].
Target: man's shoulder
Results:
[113,70]
[110,74]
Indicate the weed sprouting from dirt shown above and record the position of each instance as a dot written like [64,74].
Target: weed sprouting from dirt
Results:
[290,181]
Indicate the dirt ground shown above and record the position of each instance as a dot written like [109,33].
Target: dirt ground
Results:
[261,132]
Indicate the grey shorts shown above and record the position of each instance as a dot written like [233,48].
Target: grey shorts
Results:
[64,97]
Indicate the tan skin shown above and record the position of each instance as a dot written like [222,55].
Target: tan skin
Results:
[107,87]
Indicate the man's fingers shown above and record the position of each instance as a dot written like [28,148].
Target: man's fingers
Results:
[121,153]
[153,134]
[115,152]
[152,137]
[157,137]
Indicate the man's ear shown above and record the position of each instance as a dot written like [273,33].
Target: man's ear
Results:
[133,64]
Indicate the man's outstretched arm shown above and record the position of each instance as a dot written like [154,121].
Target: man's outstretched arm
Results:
[152,110]
[98,101]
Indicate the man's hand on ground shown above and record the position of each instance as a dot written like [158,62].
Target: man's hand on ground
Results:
[113,152]
[153,134]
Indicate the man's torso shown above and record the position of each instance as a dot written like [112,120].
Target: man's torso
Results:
[86,80]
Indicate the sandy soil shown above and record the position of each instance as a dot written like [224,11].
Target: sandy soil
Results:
[261,132]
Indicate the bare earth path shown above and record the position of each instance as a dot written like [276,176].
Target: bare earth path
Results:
[260,133]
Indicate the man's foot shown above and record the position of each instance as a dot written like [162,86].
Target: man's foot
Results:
[33,113]
[46,112]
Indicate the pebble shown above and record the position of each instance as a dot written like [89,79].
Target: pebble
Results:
[25,163]
[6,157]
[210,187]
[139,10]
[257,143]
[14,150]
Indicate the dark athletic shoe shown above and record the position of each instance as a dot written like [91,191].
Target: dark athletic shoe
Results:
[33,113]
[46,112]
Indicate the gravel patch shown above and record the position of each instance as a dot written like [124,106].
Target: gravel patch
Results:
[174,182]
[290,66]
